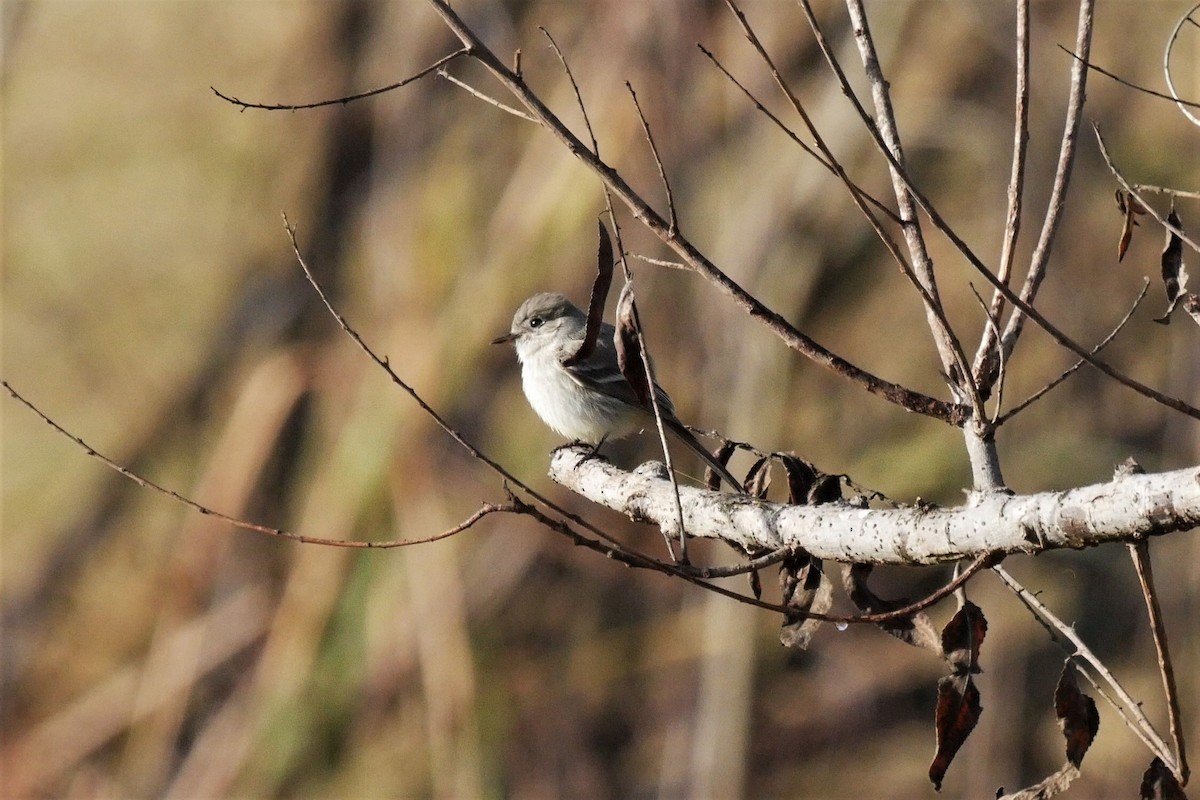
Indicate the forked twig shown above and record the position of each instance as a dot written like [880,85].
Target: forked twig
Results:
[989,341]
[1006,416]
[1139,551]
[516,112]
[791,134]
[1182,234]
[1040,260]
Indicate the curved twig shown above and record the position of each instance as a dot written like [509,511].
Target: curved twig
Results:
[1180,104]
[341,101]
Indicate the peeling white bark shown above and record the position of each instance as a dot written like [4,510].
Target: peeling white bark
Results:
[1126,508]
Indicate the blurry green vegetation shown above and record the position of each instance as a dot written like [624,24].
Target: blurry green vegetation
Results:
[152,305]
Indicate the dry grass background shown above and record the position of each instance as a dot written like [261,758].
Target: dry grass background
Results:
[152,305]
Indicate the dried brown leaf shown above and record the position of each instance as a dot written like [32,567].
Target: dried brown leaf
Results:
[1159,783]
[958,710]
[1130,207]
[758,479]
[806,589]
[725,452]
[1077,716]
[1174,274]
[629,353]
[600,286]
[916,629]
[962,637]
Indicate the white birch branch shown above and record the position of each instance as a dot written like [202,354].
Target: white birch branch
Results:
[1127,508]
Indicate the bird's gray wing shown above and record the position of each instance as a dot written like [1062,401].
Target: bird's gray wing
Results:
[601,372]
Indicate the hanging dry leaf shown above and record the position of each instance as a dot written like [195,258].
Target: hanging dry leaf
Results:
[629,353]
[1131,208]
[758,479]
[916,629]
[1159,783]
[958,711]
[725,452]
[1077,716]
[806,589]
[962,637]
[1173,273]
[604,273]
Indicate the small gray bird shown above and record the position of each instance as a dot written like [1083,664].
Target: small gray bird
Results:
[590,401]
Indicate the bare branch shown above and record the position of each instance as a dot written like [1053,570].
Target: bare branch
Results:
[338,101]
[1121,510]
[1139,551]
[954,360]
[947,343]
[989,353]
[1062,178]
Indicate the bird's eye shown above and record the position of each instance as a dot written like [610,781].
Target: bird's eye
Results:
[536,322]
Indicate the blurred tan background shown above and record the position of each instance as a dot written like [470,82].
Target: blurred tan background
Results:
[152,305]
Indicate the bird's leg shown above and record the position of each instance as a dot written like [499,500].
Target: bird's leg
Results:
[595,449]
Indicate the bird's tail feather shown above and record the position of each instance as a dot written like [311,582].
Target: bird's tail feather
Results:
[686,437]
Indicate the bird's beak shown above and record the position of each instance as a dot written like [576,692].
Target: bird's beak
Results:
[508,337]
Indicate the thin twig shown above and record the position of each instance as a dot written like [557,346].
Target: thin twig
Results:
[338,101]
[672,215]
[1180,104]
[658,262]
[1145,187]
[1136,87]
[1006,416]
[1128,708]
[1040,259]
[1139,551]
[146,483]
[820,159]
[988,349]
[578,101]
[516,112]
